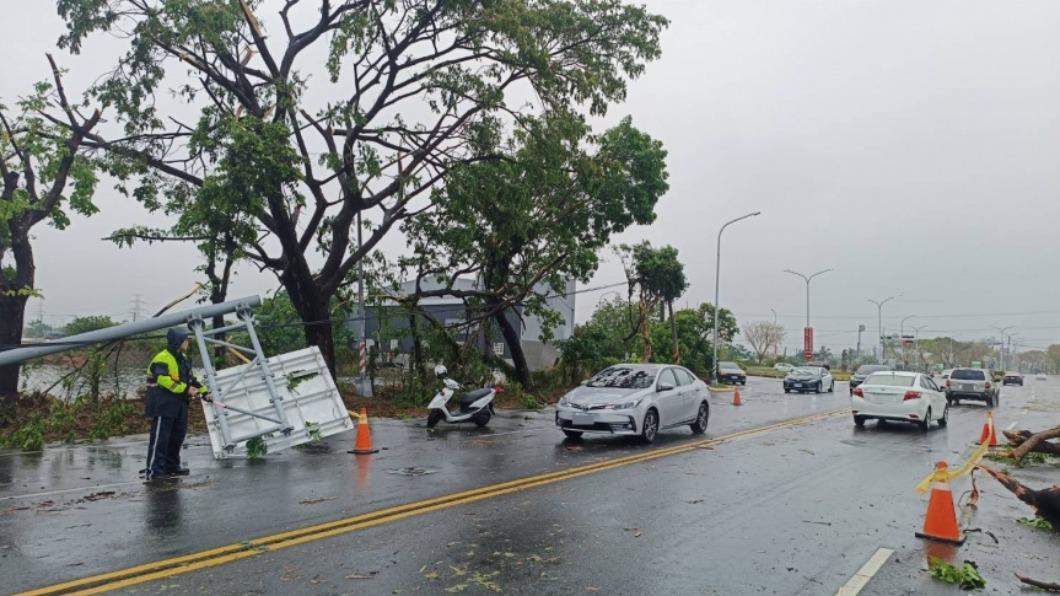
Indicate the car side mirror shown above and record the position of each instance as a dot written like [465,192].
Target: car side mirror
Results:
[664,387]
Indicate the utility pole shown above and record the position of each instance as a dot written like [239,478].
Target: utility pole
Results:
[861,328]
[137,306]
[1001,348]
[717,284]
[916,342]
[879,323]
[901,341]
[776,343]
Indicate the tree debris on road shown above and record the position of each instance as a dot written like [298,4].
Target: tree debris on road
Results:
[1046,502]
[1024,442]
[1051,587]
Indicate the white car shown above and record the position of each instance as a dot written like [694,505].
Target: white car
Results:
[637,400]
[783,367]
[898,395]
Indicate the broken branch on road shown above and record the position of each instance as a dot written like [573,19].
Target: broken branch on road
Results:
[1046,502]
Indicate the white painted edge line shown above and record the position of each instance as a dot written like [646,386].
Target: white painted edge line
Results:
[861,579]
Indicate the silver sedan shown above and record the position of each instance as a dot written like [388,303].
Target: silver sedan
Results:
[635,400]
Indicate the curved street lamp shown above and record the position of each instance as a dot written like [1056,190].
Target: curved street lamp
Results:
[717,282]
[879,320]
[807,279]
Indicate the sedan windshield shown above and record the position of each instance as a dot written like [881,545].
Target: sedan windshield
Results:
[806,370]
[728,365]
[622,377]
[890,379]
[968,374]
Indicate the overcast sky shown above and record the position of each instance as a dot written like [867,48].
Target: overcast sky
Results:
[911,146]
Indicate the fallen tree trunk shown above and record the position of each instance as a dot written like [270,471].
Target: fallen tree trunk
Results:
[1033,441]
[1015,439]
[1038,584]
[1046,502]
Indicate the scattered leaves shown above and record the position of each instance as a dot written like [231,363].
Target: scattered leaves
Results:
[966,576]
[1035,522]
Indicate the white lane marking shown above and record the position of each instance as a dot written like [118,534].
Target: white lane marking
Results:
[1011,426]
[867,571]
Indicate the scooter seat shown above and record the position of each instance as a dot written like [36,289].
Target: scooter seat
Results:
[473,396]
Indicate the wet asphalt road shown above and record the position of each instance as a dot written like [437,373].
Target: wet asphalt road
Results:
[794,510]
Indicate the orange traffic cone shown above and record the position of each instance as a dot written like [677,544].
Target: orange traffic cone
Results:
[736,401]
[989,432]
[941,521]
[363,446]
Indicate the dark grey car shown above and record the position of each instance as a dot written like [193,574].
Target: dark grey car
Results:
[863,371]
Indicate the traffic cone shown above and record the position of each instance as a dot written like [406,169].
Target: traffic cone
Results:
[363,446]
[736,401]
[989,432]
[941,521]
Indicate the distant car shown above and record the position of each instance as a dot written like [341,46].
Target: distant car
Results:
[863,371]
[730,372]
[1012,378]
[946,373]
[635,399]
[971,383]
[809,378]
[1041,377]
[899,395]
[783,367]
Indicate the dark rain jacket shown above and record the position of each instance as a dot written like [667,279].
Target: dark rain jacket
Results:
[168,379]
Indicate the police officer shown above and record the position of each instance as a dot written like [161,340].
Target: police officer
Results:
[170,387]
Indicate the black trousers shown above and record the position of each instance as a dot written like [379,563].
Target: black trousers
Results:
[165,442]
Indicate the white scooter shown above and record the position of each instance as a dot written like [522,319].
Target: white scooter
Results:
[474,406]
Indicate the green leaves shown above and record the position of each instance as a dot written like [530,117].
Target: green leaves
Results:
[966,576]
[659,272]
[1035,522]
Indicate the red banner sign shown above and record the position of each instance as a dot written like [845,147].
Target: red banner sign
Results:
[807,343]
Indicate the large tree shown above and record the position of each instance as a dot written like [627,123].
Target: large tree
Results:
[525,225]
[659,279]
[408,91]
[44,178]
[763,336]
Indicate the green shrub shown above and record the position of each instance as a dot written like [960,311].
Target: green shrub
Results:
[29,436]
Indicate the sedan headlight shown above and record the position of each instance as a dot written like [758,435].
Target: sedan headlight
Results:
[629,405]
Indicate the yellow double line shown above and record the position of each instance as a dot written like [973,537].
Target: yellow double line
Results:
[222,555]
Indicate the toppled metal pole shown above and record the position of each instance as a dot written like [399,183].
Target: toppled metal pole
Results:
[117,332]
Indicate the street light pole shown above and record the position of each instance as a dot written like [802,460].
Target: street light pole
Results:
[807,279]
[879,321]
[717,282]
